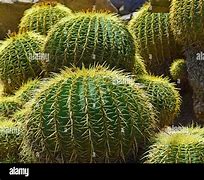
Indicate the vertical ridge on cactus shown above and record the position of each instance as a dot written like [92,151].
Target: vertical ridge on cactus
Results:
[154,40]
[90,38]
[42,16]
[94,115]
[16,62]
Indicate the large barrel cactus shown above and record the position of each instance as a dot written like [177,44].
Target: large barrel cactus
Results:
[180,145]
[10,139]
[90,38]
[187,20]
[18,60]
[164,96]
[154,40]
[42,16]
[93,115]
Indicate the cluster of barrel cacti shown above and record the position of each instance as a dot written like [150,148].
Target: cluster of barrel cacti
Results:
[77,87]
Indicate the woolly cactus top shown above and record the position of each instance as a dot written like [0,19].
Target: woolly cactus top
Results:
[42,16]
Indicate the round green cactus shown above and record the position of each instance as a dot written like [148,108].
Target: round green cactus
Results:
[187,20]
[154,40]
[94,115]
[17,60]
[42,16]
[10,139]
[179,145]
[8,106]
[164,96]
[178,70]
[90,38]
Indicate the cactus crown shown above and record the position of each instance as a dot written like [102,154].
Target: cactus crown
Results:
[42,16]
[99,116]
[89,38]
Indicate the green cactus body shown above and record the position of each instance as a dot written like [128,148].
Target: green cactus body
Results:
[154,40]
[10,139]
[187,20]
[178,70]
[90,38]
[93,115]
[17,62]
[8,106]
[42,16]
[176,146]
[164,97]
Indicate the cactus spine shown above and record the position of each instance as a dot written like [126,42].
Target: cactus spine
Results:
[90,38]
[94,115]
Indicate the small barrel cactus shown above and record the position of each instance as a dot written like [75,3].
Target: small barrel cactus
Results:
[187,20]
[154,40]
[8,106]
[164,96]
[179,145]
[42,16]
[94,115]
[178,70]
[17,60]
[10,139]
[90,38]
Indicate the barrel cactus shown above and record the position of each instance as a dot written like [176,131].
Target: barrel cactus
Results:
[154,40]
[177,145]
[10,139]
[8,106]
[187,20]
[90,38]
[42,16]
[94,115]
[164,96]
[178,70]
[17,60]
